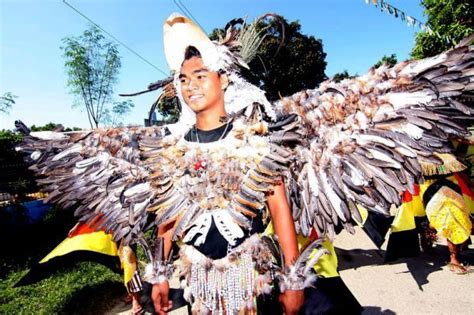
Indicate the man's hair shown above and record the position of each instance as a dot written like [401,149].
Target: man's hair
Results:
[190,52]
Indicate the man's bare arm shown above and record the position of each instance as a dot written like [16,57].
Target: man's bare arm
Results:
[284,227]
[283,224]
[160,291]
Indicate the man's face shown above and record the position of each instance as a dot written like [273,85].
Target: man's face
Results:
[202,90]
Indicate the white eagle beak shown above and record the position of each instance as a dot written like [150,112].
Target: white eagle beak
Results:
[179,32]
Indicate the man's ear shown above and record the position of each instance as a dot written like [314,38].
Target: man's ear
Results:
[224,81]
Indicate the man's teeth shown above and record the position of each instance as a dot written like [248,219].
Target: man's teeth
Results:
[193,97]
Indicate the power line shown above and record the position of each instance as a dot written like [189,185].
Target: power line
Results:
[185,10]
[115,38]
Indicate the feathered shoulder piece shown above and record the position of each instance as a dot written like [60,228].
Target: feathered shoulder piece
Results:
[98,173]
[372,137]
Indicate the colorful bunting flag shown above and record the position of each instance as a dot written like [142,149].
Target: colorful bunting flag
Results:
[397,13]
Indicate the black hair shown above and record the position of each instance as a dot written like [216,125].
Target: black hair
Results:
[191,52]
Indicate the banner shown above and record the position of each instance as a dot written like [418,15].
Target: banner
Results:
[397,13]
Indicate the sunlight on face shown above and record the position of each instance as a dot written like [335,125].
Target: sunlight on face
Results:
[202,90]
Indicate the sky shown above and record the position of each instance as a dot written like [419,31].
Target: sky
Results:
[355,35]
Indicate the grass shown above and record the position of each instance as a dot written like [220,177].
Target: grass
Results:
[86,288]
[82,288]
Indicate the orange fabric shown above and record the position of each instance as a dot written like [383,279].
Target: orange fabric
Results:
[462,182]
[408,197]
[84,228]
[314,235]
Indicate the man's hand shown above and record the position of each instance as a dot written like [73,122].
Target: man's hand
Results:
[159,295]
[291,301]
[136,307]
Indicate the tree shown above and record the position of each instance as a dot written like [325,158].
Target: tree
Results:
[48,127]
[52,126]
[92,65]
[390,60]
[338,77]
[449,20]
[114,117]
[169,108]
[15,178]
[6,102]
[298,64]
[283,70]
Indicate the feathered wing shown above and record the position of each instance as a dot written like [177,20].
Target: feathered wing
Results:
[369,138]
[101,174]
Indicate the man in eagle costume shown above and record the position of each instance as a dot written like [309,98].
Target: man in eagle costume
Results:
[237,179]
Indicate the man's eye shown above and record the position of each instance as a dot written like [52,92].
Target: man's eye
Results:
[183,81]
[200,76]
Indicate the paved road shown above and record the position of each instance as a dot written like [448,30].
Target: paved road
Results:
[421,285]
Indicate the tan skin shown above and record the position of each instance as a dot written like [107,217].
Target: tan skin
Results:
[203,91]
[454,262]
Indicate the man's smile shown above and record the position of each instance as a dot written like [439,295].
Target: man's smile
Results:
[195,97]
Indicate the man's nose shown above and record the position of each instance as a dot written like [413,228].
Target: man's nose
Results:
[192,84]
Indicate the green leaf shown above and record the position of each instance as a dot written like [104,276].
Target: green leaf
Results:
[92,65]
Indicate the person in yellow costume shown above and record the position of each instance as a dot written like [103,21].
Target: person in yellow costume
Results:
[448,203]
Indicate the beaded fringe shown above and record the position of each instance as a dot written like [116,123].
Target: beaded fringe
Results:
[230,284]
[224,290]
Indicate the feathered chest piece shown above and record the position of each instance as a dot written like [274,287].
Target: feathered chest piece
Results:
[229,179]
[211,174]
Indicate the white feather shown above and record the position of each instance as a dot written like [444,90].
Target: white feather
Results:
[230,230]
[137,189]
[405,99]
[49,135]
[356,176]
[384,85]
[361,120]
[75,148]
[313,182]
[35,155]
[201,226]
[421,65]
[383,157]
[315,256]
[367,139]
[101,157]
[331,195]
[382,112]
[405,150]
[412,130]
